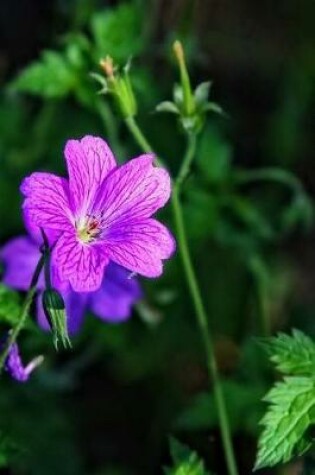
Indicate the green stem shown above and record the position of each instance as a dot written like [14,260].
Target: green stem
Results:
[186,163]
[195,291]
[110,125]
[137,134]
[23,314]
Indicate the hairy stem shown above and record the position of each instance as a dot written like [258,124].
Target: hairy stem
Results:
[201,315]
[23,314]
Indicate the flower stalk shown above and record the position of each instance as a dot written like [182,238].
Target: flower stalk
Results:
[24,312]
[200,311]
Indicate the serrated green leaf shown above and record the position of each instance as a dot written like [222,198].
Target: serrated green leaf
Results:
[291,412]
[50,77]
[186,461]
[293,354]
[117,32]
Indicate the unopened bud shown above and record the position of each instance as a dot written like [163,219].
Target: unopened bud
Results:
[188,99]
[54,308]
[178,51]
[107,65]
[117,83]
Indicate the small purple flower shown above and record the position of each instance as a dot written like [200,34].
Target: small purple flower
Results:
[102,213]
[15,367]
[111,302]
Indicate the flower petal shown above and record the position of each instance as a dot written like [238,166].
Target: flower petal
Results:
[20,257]
[113,301]
[140,245]
[46,201]
[35,232]
[75,308]
[134,190]
[82,265]
[89,160]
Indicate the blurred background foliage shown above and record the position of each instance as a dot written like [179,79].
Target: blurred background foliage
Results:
[108,406]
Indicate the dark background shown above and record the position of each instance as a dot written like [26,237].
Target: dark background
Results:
[108,406]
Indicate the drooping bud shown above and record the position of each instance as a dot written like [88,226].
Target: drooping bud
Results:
[54,308]
[117,82]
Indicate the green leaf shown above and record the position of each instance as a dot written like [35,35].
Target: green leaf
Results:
[51,77]
[167,106]
[178,95]
[9,305]
[186,462]
[293,354]
[117,32]
[290,414]
[214,107]
[202,93]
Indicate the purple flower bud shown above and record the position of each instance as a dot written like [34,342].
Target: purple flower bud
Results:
[15,367]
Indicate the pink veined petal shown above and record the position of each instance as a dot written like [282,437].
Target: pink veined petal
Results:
[134,190]
[80,264]
[46,201]
[35,232]
[89,160]
[140,245]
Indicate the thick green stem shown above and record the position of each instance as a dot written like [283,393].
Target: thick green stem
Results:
[23,314]
[195,291]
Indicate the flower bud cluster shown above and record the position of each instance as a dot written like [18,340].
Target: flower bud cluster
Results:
[190,106]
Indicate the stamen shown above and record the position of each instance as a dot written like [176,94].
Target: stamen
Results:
[88,229]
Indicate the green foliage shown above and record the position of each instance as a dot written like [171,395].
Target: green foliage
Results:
[293,354]
[50,77]
[185,461]
[118,32]
[6,447]
[9,305]
[291,410]
[234,220]
[290,414]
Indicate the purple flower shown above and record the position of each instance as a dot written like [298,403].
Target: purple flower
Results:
[15,367]
[102,213]
[111,302]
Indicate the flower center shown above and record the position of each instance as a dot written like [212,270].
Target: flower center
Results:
[88,229]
